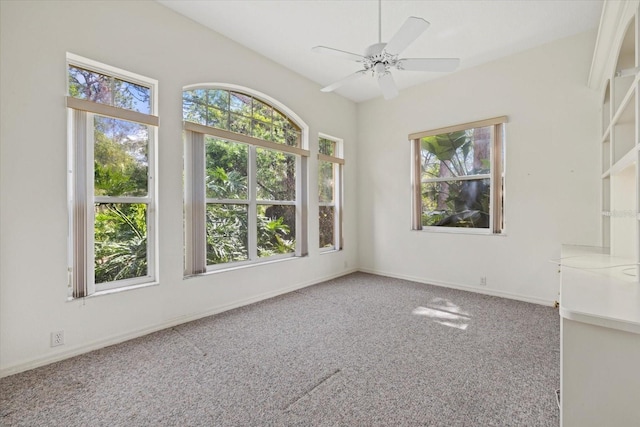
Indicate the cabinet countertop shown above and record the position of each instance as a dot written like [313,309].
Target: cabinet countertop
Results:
[599,289]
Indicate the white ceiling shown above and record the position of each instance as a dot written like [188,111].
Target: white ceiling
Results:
[477,31]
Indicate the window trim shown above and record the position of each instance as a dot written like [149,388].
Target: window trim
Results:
[81,197]
[497,152]
[242,138]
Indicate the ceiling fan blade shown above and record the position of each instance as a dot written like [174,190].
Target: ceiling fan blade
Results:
[339,53]
[344,81]
[428,64]
[410,30]
[388,86]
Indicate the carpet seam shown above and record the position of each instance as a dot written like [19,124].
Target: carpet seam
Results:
[311,389]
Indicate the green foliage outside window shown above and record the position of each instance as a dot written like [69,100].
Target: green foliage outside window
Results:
[227,224]
[240,113]
[447,200]
[121,169]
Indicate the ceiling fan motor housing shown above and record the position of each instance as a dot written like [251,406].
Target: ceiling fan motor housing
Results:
[378,60]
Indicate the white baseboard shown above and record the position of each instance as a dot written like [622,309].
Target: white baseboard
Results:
[478,290]
[117,339]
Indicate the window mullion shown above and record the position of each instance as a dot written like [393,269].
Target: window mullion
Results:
[119,199]
[458,178]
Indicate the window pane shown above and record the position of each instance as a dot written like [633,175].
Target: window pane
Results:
[262,111]
[455,154]
[280,123]
[456,203]
[292,136]
[85,84]
[131,96]
[240,103]
[261,130]
[226,233]
[276,230]
[217,118]
[327,225]
[218,98]
[276,175]
[120,241]
[226,164]
[121,161]
[325,181]
[103,89]
[327,147]
[194,107]
[277,134]
[240,124]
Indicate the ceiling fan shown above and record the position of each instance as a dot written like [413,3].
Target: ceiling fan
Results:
[380,58]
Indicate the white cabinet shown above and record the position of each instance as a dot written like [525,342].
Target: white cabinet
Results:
[600,287]
[599,341]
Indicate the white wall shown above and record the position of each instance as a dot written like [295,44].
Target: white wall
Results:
[149,39]
[552,185]
[552,172]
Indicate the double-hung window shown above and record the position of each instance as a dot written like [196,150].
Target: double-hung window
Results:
[458,177]
[330,164]
[112,139]
[245,172]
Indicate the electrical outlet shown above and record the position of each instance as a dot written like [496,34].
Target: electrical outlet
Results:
[483,280]
[57,338]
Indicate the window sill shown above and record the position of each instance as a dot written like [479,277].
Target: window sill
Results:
[243,266]
[117,290]
[329,250]
[466,231]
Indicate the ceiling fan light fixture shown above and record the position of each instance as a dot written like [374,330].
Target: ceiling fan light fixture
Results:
[380,68]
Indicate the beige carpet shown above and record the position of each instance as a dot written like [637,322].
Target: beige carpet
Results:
[361,350]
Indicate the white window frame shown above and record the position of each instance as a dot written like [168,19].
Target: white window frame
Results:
[496,177]
[337,203]
[195,192]
[81,200]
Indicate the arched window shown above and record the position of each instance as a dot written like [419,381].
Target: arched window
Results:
[245,164]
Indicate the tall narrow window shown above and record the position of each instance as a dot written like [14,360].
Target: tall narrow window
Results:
[458,177]
[330,164]
[245,180]
[112,168]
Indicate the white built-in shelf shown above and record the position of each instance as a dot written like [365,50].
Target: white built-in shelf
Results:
[619,148]
[606,110]
[627,160]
